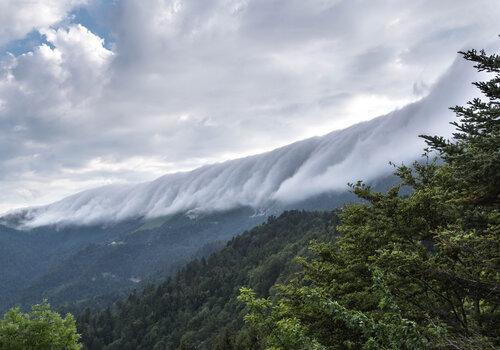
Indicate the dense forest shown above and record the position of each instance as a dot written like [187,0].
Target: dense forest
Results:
[198,308]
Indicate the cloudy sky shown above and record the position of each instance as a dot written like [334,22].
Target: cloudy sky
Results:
[116,91]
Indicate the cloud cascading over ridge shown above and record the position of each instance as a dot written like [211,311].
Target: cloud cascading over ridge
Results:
[280,177]
[180,84]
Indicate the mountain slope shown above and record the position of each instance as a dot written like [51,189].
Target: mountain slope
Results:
[102,242]
[82,265]
[197,307]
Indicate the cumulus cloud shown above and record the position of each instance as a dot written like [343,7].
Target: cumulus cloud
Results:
[188,83]
[44,96]
[19,17]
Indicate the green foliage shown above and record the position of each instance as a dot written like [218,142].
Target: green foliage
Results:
[198,307]
[281,325]
[409,271]
[281,332]
[41,329]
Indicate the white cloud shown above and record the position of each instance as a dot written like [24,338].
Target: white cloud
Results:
[83,59]
[19,17]
[46,83]
[283,176]
[192,82]
[47,93]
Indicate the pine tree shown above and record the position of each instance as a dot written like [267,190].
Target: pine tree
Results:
[409,271]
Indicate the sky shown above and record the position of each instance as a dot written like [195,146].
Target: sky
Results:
[123,91]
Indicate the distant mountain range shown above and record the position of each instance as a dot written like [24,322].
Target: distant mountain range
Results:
[93,245]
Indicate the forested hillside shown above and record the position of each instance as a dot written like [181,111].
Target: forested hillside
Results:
[416,267]
[198,307]
[77,266]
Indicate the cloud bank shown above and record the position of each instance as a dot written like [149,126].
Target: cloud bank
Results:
[179,84]
[285,175]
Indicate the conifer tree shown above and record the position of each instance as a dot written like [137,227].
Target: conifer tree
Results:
[409,271]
